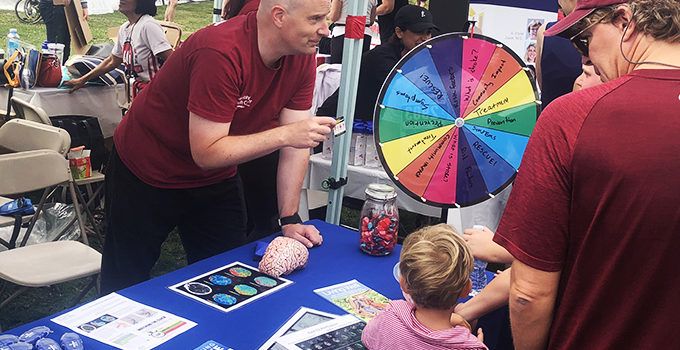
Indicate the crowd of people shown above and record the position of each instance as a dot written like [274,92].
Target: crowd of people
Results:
[590,226]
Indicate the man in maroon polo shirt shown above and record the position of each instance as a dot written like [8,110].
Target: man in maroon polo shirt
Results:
[234,91]
[594,216]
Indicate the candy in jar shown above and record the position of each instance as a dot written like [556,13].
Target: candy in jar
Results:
[379,220]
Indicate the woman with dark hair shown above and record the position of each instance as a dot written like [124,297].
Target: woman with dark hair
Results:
[141,46]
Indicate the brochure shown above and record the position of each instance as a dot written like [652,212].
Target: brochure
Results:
[355,298]
[124,323]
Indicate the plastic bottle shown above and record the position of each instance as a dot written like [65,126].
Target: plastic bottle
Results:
[478,275]
[12,41]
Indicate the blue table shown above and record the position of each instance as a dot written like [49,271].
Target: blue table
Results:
[337,260]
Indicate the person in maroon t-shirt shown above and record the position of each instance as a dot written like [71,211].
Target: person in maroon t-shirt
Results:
[593,220]
[234,91]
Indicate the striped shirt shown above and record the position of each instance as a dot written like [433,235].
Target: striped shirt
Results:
[397,328]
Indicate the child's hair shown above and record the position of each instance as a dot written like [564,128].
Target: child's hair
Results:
[436,265]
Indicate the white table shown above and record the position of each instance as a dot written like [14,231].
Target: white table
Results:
[102,102]
[487,213]
[358,178]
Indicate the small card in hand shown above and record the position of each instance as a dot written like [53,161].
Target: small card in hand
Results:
[340,126]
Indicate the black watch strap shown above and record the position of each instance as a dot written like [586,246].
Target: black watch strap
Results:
[292,219]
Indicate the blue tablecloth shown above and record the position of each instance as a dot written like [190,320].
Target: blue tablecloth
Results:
[337,260]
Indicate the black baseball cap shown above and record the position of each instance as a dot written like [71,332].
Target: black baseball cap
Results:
[414,18]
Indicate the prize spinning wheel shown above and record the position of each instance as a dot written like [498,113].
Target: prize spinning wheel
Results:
[453,119]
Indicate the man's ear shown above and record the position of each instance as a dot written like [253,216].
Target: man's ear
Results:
[399,32]
[623,21]
[278,14]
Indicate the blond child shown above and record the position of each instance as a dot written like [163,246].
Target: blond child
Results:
[435,271]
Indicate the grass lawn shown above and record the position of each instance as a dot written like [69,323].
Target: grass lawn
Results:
[191,16]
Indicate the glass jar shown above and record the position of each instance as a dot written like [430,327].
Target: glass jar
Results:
[379,220]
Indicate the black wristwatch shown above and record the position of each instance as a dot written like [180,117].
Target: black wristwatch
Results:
[292,219]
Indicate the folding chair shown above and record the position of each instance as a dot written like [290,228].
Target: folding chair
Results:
[43,264]
[34,113]
[173,32]
[25,110]
[18,135]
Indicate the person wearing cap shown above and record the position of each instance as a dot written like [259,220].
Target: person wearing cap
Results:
[414,25]
[594,215]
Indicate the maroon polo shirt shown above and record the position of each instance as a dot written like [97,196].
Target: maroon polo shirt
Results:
[597,197]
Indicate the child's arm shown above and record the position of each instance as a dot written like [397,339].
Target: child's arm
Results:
[493,296]
[483,247]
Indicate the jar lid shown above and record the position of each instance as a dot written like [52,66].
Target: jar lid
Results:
[381,191]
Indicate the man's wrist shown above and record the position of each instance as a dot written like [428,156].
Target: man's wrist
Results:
[291,219]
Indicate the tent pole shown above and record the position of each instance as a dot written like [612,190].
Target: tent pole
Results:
[217,10]
[351,62]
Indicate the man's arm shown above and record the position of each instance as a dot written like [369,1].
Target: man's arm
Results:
[291,172]
[385,8]
[532,303]
[212,147]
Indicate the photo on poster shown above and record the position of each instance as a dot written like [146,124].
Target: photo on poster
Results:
[303,318]
[530,53]
[230,287]
[533,24]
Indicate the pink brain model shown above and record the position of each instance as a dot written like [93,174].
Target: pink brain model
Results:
[283,256]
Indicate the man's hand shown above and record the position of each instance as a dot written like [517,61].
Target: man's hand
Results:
[75,84]
[86,14]
[305,234]
[308,133]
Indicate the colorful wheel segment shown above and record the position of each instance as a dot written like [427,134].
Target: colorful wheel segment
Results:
[453,119]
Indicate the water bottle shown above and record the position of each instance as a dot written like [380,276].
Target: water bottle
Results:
[12,42]
[478,275]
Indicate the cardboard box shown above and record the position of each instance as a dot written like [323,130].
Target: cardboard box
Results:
[78,28]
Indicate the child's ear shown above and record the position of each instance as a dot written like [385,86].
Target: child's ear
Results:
[403,284]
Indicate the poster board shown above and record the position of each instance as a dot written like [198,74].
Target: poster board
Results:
[78,27]
[516,27]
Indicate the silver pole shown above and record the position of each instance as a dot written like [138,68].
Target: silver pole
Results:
[351,63]
[217,10]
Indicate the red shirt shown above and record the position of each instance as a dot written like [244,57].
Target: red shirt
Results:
[597,197]
[249,6]
[219,75]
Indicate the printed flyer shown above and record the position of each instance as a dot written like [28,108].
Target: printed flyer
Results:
[355,298]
